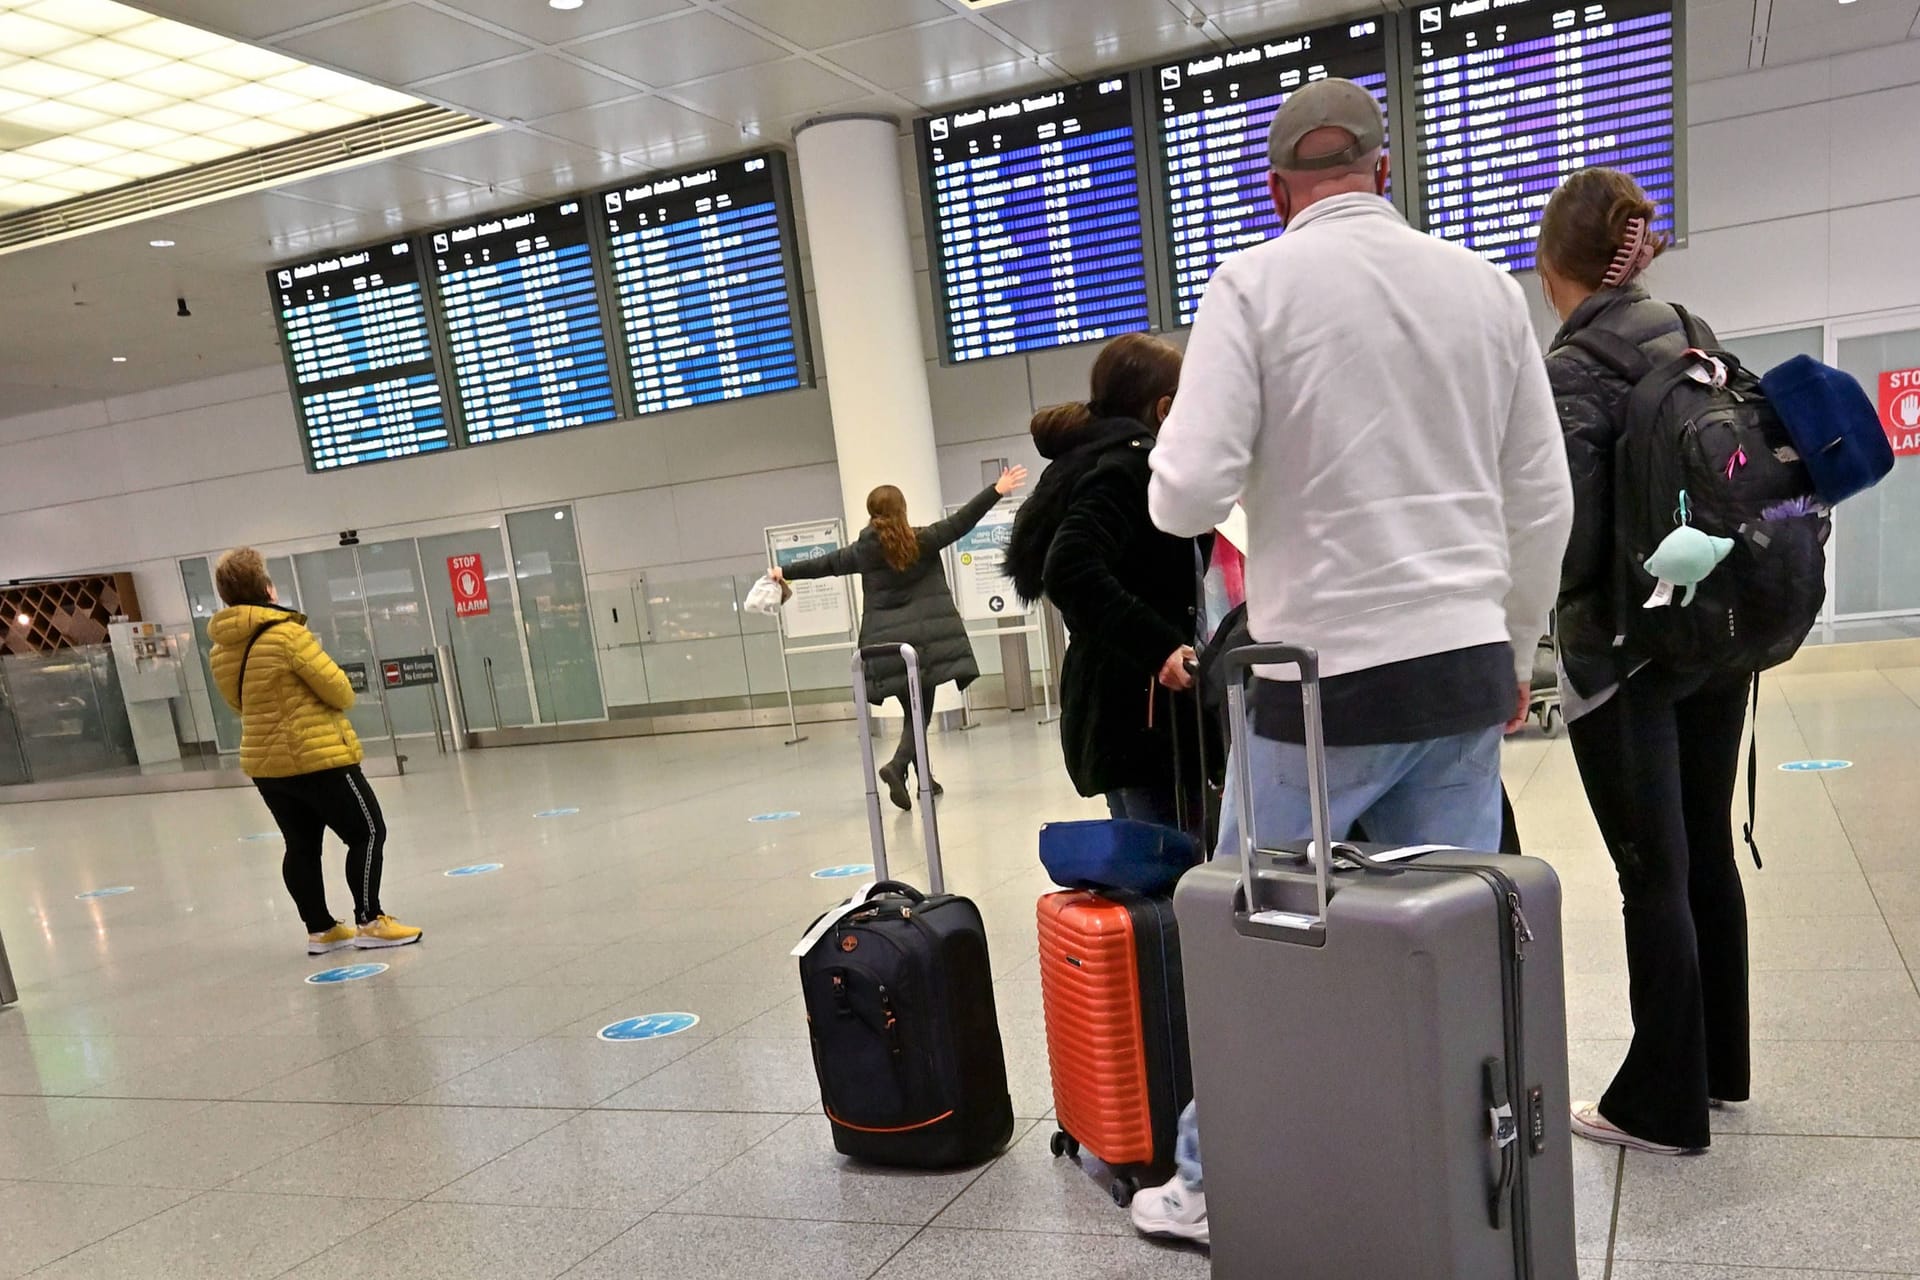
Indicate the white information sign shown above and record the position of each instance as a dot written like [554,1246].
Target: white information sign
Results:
[981,587]
[820,606]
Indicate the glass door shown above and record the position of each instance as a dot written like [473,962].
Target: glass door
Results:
[479,625]
[335,604]
[555,615]
[401,626]
[13,753]
[1876,569]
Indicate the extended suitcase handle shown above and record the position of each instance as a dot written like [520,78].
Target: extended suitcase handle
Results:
[1238,662]
[936,873]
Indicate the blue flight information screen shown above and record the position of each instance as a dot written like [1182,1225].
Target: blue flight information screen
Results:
[707,284]
[1034,220]
[1512,96]
[359,350]
[521,305]
[1211,116]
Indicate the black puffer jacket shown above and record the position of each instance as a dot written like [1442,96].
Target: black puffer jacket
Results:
[912,606]
[1592,403]
[1126,591]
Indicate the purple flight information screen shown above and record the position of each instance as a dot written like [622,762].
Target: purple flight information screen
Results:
[1514,95]
[1034,220]
[1210,121]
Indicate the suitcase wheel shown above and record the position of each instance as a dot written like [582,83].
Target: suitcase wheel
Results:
[1065,1145]
[1122,1190]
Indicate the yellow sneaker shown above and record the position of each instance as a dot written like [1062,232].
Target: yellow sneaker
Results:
[341,935]
[385,931]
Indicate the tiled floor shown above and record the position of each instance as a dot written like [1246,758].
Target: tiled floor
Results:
[176,1101]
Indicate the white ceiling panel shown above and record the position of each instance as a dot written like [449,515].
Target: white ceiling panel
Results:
[623,126]
[771,92]
[399,45]
[1802,13]
[500,159]
[249,19]
[1719,38]
[1054,24]
[1244,21]
[380,187]
[676,50]
[1129,47]
[991,82]
[941,52]
[541,23]
[525,88]
[815,24]
[1841,33]
[686,152]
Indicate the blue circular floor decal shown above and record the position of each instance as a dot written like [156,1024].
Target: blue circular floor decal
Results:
[778,815]
[345,973]
[651,1026]
[555,813]
[476,869]
[847,872]
[112,891]
[1815,766]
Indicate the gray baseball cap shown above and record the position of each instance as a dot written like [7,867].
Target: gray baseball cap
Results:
[1325,104]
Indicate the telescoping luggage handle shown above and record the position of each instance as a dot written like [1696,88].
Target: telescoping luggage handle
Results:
[1238,662]
[923,772]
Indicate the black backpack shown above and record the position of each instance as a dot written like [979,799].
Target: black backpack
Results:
[1702,445]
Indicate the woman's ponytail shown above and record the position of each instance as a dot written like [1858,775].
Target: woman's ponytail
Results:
[898,542]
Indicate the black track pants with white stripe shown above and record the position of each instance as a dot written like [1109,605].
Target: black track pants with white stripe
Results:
[305,807]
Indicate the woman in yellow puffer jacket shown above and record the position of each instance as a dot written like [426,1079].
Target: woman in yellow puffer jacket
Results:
[299,748]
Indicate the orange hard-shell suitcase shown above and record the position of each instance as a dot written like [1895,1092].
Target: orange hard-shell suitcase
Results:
[1116,1031]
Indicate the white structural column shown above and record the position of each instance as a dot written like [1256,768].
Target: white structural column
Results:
[856,213]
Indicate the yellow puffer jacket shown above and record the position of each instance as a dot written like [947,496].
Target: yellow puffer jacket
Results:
[293,716]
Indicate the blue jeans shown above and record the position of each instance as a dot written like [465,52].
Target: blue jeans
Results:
[1443,791]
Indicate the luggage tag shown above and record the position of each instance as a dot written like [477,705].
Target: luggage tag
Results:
[832,918]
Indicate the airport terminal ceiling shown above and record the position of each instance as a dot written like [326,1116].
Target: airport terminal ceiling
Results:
[618,89]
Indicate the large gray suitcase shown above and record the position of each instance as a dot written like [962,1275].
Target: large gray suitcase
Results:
[1379,1054]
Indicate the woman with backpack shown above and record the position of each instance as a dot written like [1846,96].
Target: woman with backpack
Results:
[1657,741]
[908,601]
[299,748]
[1125,589]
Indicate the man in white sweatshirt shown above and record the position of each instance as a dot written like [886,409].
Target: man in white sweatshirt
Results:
[1376,401]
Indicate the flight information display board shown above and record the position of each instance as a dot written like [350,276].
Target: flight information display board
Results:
[707,284]
[520,300]
[1210,121]
[359,351]
[1514,95]
[1034,220]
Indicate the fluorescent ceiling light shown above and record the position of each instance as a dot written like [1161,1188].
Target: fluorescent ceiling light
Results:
[125,95]
[160,244]
[563,4]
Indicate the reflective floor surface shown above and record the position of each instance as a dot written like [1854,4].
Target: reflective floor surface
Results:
[176,1100]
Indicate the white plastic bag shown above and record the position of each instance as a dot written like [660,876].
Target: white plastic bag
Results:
[766,596]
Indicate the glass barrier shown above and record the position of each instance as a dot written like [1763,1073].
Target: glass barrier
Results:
[68,715]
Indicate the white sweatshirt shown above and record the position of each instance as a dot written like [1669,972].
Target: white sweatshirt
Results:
[1375,399]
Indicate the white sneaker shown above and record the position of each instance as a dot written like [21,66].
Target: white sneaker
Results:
[1174,1211]
[1594,1127]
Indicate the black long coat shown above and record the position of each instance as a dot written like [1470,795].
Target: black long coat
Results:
[1127,593]
[912,606]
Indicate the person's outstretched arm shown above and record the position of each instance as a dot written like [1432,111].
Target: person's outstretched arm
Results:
[834,564]
[1206,444]
[1537,496]
[944,533]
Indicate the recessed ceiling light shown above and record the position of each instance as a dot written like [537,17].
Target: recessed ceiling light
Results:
[564,4]
[119,359]
[160,244]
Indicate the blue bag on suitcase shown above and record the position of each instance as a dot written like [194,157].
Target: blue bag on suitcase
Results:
[1109,854]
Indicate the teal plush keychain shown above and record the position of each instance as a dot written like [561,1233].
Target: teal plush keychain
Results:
[1683,559]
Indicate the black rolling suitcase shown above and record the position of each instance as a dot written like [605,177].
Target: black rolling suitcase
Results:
[899,996]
